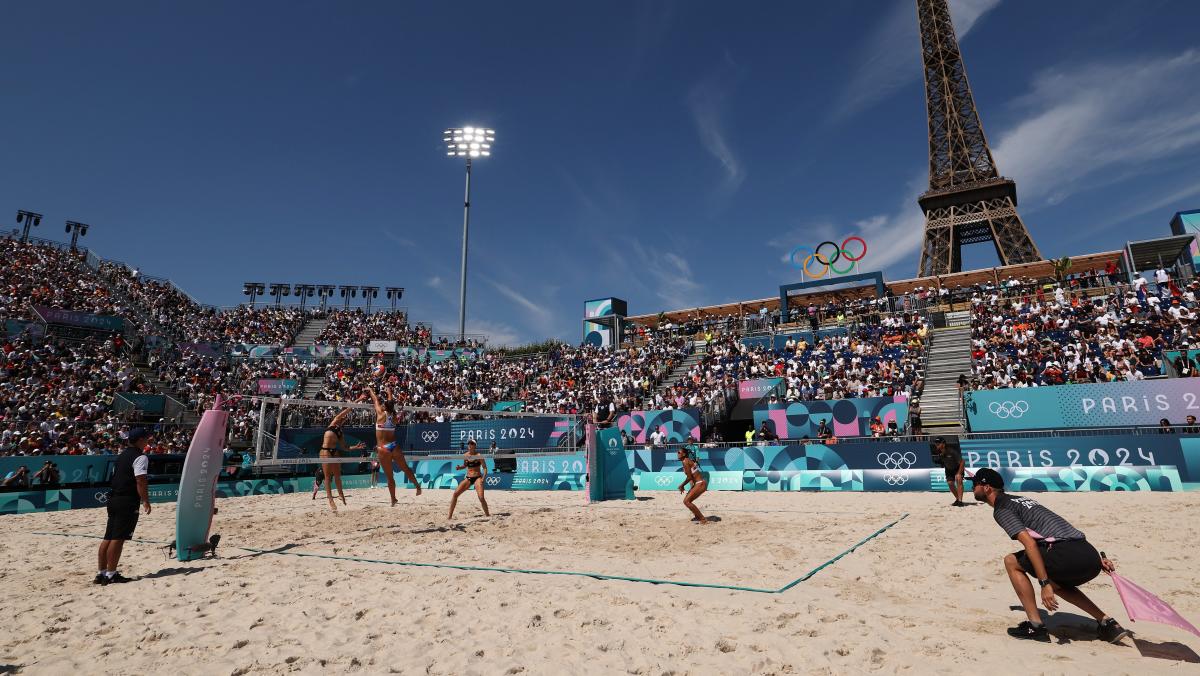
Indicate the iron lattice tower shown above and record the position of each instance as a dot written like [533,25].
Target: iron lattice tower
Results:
[967,201]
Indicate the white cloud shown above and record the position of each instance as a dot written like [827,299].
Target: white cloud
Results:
[893,239]
[435,282]
[1101,117]
[892,53]
[539,312]
[706,101]
[1078,124]
[402,241]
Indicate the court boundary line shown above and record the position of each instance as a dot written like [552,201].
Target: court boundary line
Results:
[532,571]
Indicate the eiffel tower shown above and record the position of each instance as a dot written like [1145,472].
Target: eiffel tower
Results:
[968,201]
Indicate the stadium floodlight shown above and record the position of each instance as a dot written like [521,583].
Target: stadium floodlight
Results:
[348,291]
[468,143]
[304,292]
[30,220]
[279,291]
[395,293]
[254,290]
[369,293]
[77,230]
[325,291]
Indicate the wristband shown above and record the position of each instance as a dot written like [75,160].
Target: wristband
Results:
[1045,582]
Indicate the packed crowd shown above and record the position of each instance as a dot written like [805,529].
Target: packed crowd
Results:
[1045,333]
[872,360]
[39,274]
[57,396]
[354,328]
[172,313]
[564,380]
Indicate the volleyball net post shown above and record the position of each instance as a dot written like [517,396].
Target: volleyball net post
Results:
[609,476]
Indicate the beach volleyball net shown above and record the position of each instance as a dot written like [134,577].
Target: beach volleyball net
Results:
[290,432]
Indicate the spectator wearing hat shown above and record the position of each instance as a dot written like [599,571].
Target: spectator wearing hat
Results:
[1056,553]
[130,485]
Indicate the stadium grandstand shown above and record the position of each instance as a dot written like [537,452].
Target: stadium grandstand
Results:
[93,346]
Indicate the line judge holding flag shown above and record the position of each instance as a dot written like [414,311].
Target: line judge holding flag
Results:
[1056,553]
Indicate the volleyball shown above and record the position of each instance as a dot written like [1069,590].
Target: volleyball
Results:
[380,370]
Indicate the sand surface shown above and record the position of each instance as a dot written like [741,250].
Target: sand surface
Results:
[927,596]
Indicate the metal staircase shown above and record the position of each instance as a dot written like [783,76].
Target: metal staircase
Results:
[305,338]
[699,351]
[949,356]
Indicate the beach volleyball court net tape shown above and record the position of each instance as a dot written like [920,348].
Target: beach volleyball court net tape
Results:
[290,433]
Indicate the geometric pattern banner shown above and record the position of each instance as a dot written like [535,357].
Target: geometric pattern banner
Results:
[678,425]
[844,417]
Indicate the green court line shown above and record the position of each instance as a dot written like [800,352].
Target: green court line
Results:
[532,571]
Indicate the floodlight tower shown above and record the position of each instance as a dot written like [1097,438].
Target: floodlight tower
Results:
[30,219]
[469,143]
[77,230]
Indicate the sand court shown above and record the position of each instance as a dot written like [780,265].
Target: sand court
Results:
[926,594]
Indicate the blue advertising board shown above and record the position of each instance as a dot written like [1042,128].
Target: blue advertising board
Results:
[1118,404]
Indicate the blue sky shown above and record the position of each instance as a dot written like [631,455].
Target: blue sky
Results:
[667,153]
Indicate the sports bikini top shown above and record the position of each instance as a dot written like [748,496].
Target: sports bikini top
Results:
[388,424]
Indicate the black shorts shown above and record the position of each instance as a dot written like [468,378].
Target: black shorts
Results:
[1069,563]
[122,518]
[953,464]
[471,480]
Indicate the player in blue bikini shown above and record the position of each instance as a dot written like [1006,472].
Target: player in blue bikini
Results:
[385,443]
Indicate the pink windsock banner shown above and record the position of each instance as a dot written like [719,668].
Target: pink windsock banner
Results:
[1142,605]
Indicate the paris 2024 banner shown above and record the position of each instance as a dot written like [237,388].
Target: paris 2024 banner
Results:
[1123,404]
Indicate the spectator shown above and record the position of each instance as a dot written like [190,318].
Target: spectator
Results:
[48,475]
[18,478]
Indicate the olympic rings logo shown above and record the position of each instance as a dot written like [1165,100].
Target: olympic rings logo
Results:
[429,436]
[663,480]
[897,460]
[102,497]
[492,481]
[818,262]
[1008,409]
[894,464]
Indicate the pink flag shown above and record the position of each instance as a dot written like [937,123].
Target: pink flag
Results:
[1142,605]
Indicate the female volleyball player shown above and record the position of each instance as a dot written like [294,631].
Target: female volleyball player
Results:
[385,443]
[332,445]
[691,470]
[476,475]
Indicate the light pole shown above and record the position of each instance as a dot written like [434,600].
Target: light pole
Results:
[304,291]
[325,291]
[348,291]
[395,293]
[254,290]
[30,219]
[469,143]
[77,230]
[279,291]
[369,293]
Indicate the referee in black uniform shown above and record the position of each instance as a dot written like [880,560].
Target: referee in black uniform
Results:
[129,487]
[1055,552]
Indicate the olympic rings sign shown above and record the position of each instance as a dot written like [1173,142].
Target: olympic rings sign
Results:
[1009,409]
[429,436]
[820,261]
